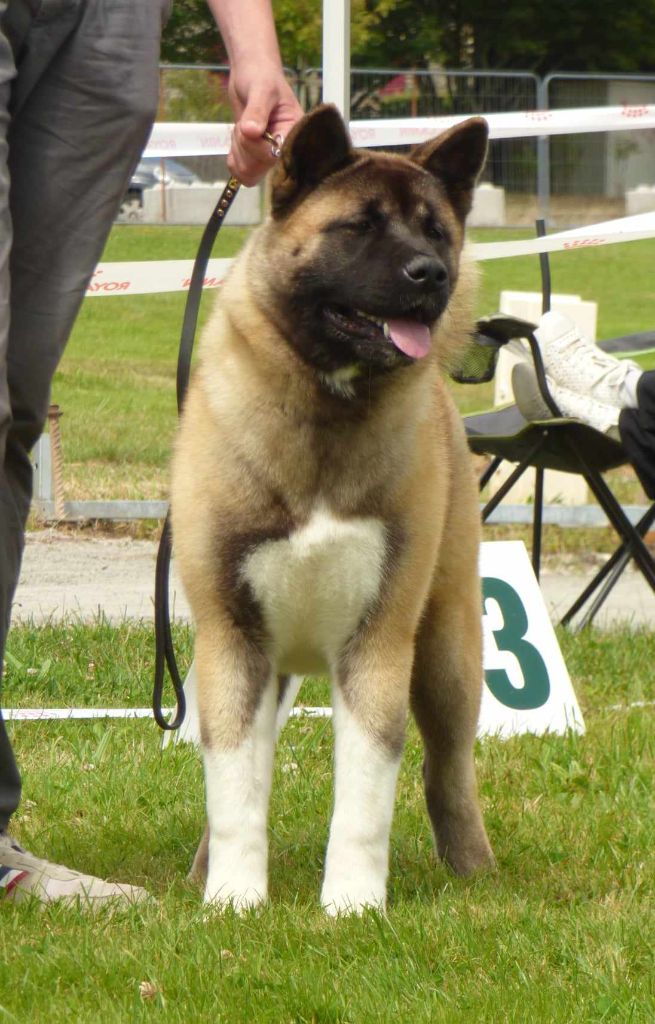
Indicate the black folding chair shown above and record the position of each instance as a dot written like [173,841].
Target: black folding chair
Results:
[560,443]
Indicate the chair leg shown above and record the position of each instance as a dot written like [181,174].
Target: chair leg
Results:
[601,575]
[607,575]
[623,527]
[604,593]
[632,545]
[504,488]
[487,474]
[537,520]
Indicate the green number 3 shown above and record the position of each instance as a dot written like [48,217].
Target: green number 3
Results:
[510,637]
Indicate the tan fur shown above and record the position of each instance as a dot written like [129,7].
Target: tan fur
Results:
[262,444]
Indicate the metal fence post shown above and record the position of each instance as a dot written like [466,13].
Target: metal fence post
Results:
[336,54]
[543,158]
[42,463]
[48,468]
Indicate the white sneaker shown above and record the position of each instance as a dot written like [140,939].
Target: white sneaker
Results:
[532,404]
[24,876]
[573,362]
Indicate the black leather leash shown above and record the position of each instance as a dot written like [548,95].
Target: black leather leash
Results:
[164,649]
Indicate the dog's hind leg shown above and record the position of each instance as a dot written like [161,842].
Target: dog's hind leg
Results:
[200,866]
[237,698]
[446,690]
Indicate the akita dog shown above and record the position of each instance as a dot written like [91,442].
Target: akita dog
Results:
[325,510]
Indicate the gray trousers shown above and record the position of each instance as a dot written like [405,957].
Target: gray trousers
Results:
[78,95]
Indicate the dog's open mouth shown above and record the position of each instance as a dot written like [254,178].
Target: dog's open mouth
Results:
[411,337]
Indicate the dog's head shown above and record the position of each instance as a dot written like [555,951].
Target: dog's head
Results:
[364,246]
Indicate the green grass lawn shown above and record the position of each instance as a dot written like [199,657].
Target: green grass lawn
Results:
[563,932]
[116,381]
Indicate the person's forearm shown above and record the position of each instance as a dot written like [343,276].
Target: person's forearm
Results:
[247,29]
[260,96]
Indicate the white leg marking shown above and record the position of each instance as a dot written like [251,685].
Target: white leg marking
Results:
[238,787]
[284,709]
[357,861]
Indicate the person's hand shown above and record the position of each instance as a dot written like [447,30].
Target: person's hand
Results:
[262,100]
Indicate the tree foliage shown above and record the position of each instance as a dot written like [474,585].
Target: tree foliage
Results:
[300,28]
[191,37]
[532,35]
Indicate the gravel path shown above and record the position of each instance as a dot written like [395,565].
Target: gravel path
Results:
[75,575]
[72,575]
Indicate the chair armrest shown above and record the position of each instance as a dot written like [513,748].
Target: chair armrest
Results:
[478,363]
[505,328]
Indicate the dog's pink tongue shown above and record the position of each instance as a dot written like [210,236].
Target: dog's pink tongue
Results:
[410,337]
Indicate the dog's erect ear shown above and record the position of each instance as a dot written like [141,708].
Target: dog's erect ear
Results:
[317,146]
[456,157]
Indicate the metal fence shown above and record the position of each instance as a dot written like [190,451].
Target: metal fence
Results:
[511,164]
[571,179]
[601,166]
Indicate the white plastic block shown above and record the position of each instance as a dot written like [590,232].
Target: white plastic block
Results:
[640,199]
[193,204]
[488,207]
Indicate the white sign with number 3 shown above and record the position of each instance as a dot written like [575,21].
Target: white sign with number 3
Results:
[527,685]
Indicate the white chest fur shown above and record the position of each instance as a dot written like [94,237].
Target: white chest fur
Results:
[315,586]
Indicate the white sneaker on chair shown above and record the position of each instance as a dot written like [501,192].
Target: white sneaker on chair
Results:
[532,404]
[573,362]
[24,876]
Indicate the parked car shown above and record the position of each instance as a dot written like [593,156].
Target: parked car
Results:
[151,171]
[168,171]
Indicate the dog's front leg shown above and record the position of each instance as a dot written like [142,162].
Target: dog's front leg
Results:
[370,700]
[237,696]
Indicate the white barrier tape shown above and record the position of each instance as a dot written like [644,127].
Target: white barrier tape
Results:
[145,276]
[65,714]
[516,125]
[54,714]
[83,714]
[153,276]
[609,232]
[630,707]
[173,139]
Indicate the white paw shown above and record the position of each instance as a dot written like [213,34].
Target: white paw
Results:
[240,898]
[352,896]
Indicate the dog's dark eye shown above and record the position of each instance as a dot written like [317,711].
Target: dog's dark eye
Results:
[362,226]
[435,231]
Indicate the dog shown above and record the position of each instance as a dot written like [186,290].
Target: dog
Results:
[324,508]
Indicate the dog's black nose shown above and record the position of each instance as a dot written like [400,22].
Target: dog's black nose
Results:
[426,271]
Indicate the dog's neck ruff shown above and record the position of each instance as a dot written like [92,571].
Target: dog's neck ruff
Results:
[341,382]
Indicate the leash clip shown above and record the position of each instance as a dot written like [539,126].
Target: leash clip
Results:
[275,143]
